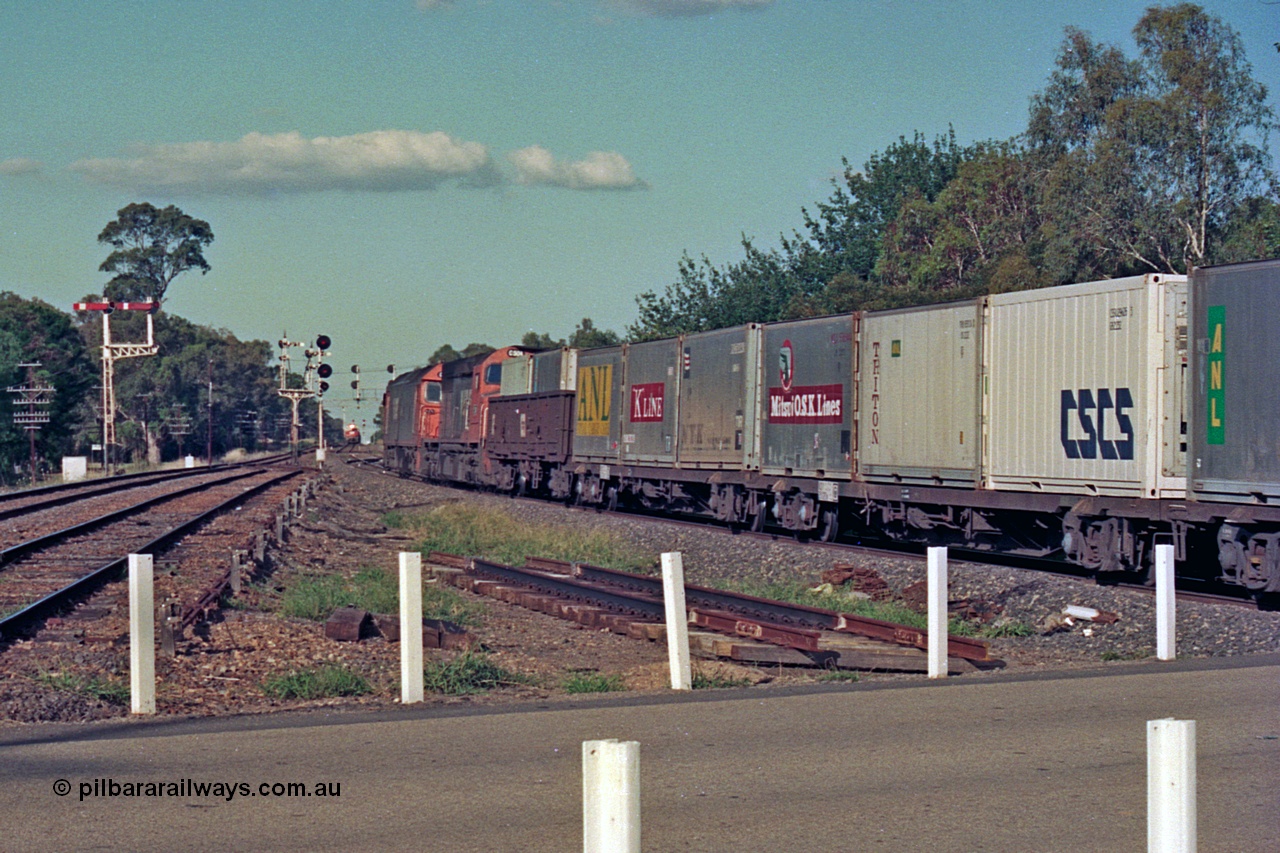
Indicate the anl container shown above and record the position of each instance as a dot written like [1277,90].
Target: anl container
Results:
[1235,410]
[1083,387]
[918,381]
[599,405]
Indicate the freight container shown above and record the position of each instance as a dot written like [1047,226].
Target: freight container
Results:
[917,394]
[652,388]
[807,401]
[597,431]
[517,375]
[718,399]
[555,370]
[1235,409]
[1083,390]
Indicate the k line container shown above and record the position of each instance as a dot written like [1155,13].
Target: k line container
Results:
[649,411]
[1082,388]
[718,399]
[806,390]
[918,401]
[1235,409]
[599,405]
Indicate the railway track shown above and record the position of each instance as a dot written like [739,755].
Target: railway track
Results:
[56,554]
[632,604]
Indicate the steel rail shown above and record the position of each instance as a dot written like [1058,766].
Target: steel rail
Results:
[16,622]
[643,593]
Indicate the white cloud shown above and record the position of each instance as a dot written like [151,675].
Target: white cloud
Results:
[688,8]
[601,170]
[383,160]
[430,5]
[20,166]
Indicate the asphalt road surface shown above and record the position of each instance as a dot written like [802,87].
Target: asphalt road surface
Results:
[973,764]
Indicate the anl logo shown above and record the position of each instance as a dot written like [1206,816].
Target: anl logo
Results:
[1216,431]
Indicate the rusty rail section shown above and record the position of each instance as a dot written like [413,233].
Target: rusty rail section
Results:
[792,625]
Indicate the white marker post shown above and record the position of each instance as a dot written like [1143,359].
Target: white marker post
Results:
[610,796]
[1166,604]
[411,678]
[142,634]
[1171,786]
[937,612]
[677,621]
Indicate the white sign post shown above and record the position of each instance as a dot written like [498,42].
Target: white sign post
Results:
[142,634]
[1166,604]
[1171,786]
[610,796]
[677,621]
[411,677]
[937,612]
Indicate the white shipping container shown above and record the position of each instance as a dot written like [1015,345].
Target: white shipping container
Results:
[1083,389]
[918,395]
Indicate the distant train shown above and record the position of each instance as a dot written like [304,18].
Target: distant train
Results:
[352,434]
[1089,422]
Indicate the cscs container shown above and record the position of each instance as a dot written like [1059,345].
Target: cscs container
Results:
[1083,391]
[1235,431]
[649,411]
[806,379]
[597,431]
[719,394]
[917,393]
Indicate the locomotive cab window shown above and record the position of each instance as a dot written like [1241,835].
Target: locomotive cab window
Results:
[493,374]
[431,393]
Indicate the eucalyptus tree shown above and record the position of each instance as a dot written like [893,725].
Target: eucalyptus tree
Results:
[151,247]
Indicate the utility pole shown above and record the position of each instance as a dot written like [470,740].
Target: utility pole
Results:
[209,452]
[110,353]
[30,408]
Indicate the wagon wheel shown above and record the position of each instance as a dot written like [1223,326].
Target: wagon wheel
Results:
[612,498]
[830,525]
[757,520]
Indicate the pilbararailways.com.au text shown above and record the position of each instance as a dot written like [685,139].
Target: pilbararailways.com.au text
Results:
[191,788]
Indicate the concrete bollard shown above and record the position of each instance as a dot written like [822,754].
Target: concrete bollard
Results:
[142,634]
[610,796]
[1166,605]
[937,612]
[411,676]
[677,616]
[1171,786]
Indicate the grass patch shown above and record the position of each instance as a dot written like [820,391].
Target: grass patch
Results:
[469,672]
[718,681]
[796,592]
[316,684]
[496,534]
[107,690]
[315,597]
[839,676]
[593,682]
[1111,656]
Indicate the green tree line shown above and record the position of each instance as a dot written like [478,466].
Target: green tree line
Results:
[1157,162]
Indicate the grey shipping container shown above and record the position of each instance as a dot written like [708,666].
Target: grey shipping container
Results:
[517,375]
[649,416]
[806,390]
[918,375]
[555,370]
[718,399]
[599,403]
[1235,411]
[1083,390]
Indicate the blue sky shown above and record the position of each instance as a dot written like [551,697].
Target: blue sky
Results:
[400,174]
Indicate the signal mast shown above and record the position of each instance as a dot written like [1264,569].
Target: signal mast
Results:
[311,387]
[110,353]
